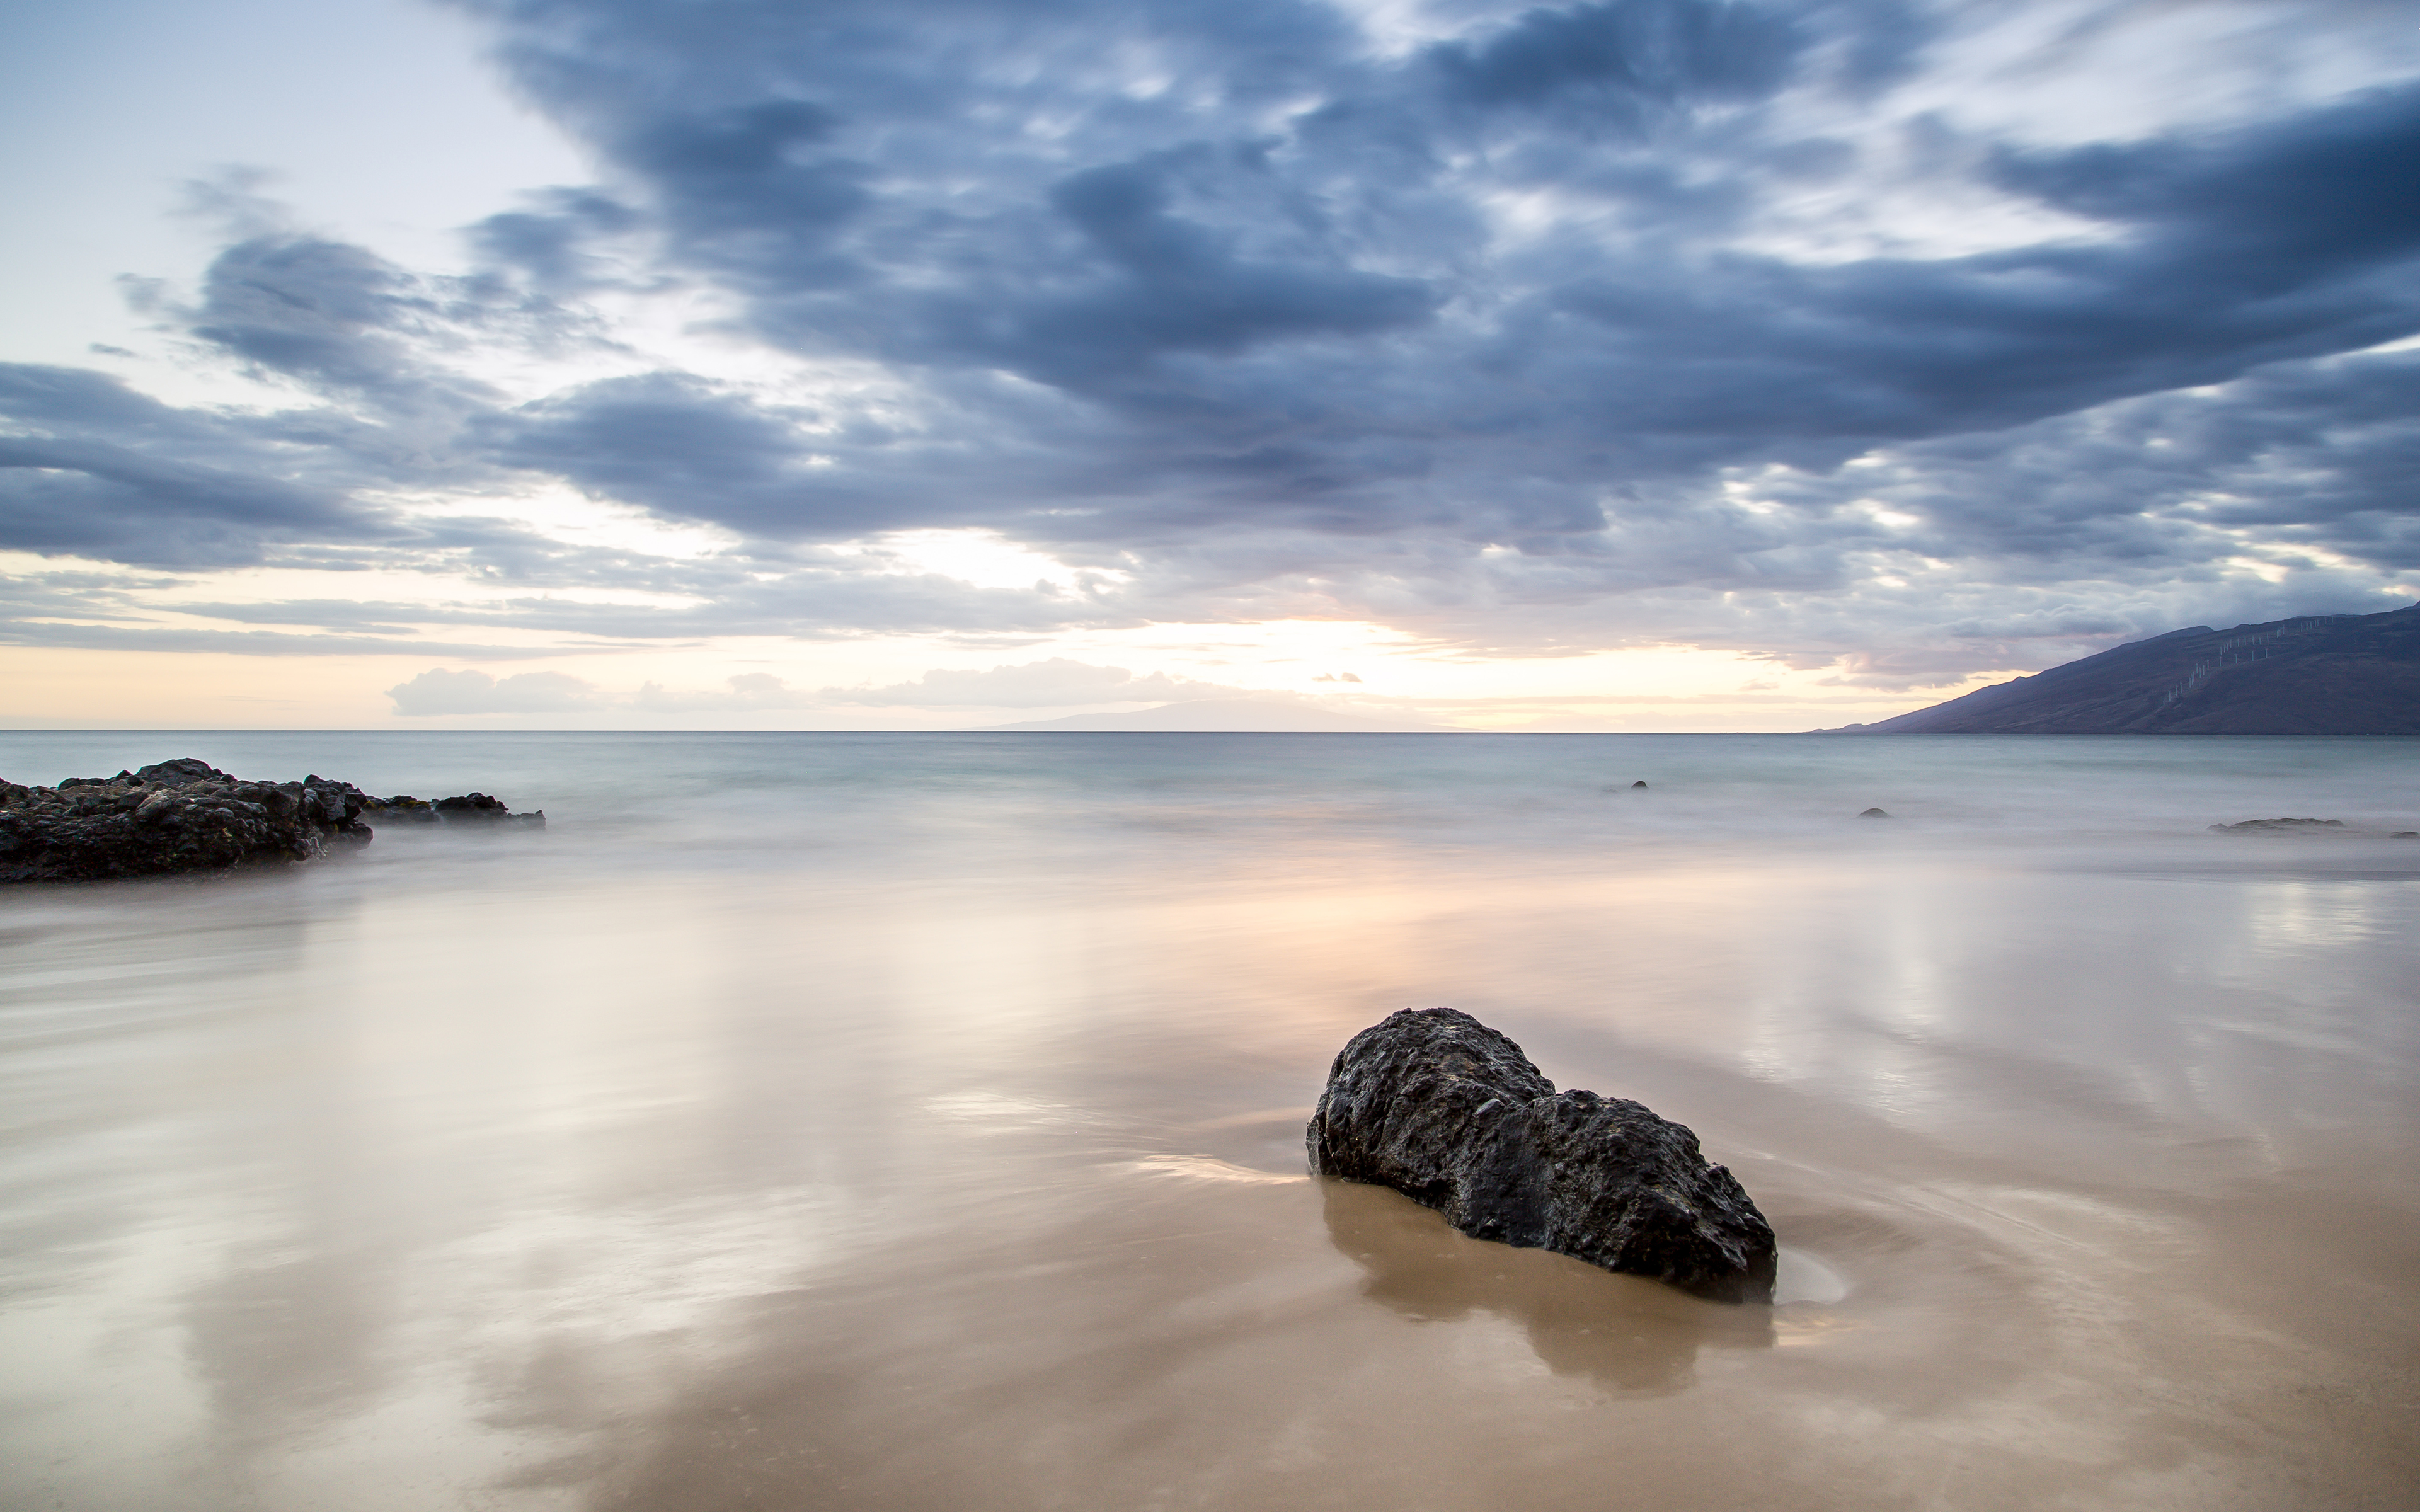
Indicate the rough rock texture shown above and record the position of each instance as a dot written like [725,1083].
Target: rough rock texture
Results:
[1452,1115]
[186,815]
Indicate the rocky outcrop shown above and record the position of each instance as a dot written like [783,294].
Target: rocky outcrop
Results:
[186,815]
[1450,1113]
[476,809]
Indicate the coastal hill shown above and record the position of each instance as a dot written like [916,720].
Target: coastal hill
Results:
[1226,715]
[2321,674]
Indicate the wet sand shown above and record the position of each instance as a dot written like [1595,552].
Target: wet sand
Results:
[506,1179]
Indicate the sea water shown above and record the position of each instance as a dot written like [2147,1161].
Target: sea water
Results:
[808,1120]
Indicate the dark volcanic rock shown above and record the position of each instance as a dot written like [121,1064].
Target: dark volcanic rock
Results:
[1447,1111]
[473,809]
[184,815]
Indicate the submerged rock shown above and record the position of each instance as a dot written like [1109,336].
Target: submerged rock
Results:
[475,809]
[1450,1113]
[186,815]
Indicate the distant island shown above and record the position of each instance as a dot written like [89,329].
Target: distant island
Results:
[1225,717]
[2320,674]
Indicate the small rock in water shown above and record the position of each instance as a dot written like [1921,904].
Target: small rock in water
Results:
[1450,1113]
[1875,813]
[2255,826]
[2405,834]
[1639,784]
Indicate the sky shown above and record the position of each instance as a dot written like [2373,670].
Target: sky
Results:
[1643,366]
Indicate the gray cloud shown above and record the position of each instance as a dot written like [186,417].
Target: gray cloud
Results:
[1222,305]
[91,467]
[1613,62]
[553,244]
[684,448]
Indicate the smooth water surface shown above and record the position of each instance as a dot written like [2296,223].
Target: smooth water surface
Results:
[914,1121]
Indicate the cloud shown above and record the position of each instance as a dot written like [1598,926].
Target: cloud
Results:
[88,466]
[686,449]
[437,691]
[1528,329]
[554,244]
[1163,280]
[1618,60]
[740,693]
[1172,286]
[1055,683]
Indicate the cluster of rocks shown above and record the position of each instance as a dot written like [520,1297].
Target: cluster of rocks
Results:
[1450,1113]
[186,815]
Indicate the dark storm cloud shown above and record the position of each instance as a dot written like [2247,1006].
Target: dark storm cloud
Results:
[96,469]
[2289,241]
[1174,285]
[685,450]
[742,196]
[1619,59]
[310,309]
[1497,331]
[1278,304]
[2328,191]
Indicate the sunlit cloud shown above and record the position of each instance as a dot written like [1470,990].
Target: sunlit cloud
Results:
[1893,344]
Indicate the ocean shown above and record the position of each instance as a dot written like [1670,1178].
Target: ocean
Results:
[839,1120]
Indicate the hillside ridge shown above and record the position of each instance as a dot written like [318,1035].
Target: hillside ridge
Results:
[2314,674]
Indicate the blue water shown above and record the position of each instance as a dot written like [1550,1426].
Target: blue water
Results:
[819,1119]
[698,793]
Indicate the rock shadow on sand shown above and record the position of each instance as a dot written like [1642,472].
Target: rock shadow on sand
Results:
[1625,1334]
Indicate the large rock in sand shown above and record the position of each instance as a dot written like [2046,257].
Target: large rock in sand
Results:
[1452,1115]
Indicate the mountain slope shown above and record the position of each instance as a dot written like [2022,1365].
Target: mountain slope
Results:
[1226,715]
[2321,674]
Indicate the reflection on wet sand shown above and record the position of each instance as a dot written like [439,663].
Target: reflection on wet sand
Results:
[942,1147]
[1622,1333]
